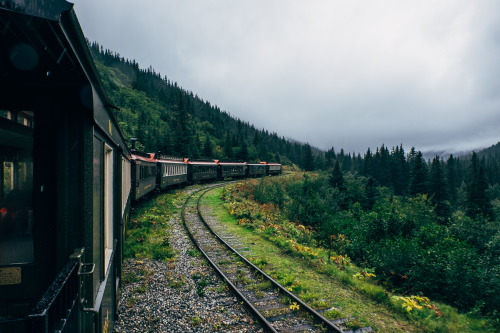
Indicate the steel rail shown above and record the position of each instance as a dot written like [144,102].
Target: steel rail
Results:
[262,320]
[317,316]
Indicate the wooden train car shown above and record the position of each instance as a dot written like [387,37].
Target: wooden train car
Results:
[272,169]
[64,176]
[232,170]
[172,171]
[143,174]
[202,171]
[256,170]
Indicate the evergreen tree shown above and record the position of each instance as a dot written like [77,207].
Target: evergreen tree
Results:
[337,177]
[418,175]
[208,151]
[478,202]
[437,188]
[243,153]
[368,164]
[370,194]
[196,147]
[228,147]
[384,167]
[451,178]
[307,158]
[183,134]
[399,171]
[168,144]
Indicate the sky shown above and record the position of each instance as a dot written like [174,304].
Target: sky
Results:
[345,74]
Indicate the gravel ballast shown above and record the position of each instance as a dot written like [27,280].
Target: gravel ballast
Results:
[185,295]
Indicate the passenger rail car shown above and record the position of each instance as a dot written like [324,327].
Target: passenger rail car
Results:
[202,171]
[273,169]
[232,170]
[144,171]
[172,171]
[256,170]
[155,172]
[64,176]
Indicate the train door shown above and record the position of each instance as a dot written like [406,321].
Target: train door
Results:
[103,241]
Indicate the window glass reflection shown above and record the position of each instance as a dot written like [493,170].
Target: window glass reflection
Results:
[16,187]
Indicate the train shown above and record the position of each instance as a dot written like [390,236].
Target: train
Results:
[153,173]
[67,176]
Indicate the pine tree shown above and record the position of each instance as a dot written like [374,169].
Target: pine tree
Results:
[368,164]
[307,158]
[370,194]
[478,202]
[418,175]
[384,167]
[437,188]
[207,148]
[337,177]
[243,153]
[228,147]
[399,170]
[451,178]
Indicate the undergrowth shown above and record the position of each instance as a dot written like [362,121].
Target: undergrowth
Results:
[147,233]
[297,241]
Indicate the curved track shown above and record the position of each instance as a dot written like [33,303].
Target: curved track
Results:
[274,307]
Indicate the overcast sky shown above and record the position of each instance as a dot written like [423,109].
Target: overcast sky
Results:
[345,74]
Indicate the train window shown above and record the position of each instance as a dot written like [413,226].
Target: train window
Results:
[16,191]
[6,114]
[108,205]
[125,182]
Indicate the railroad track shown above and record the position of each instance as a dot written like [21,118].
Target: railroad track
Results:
[272,305]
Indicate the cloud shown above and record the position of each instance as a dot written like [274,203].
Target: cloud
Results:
[346,74]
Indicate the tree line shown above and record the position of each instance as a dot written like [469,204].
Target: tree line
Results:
[167,118]
[469,181]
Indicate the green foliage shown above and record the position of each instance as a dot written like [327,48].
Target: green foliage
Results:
[147,230]
[166,117]
[401,238]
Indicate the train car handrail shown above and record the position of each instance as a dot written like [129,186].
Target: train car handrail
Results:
[51,313]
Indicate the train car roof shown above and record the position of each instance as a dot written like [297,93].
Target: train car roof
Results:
[203,162]
[270,163]
[45,55]
[143,157]
[171,161]
[233,163]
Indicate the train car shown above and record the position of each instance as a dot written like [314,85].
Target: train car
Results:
[202,171]
[144,174]
[272,169]
[256,170]
[231,170]
[64,176]
[172,171]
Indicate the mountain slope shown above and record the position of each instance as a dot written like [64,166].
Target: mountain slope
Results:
[166,117]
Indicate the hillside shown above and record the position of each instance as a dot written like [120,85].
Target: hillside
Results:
[168,118]
[430,227]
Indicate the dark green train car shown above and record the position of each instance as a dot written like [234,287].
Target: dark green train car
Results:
[64,176]
[172,171]
[232,170]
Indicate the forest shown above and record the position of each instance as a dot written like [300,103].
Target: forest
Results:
[422,228]
[167,118]
[429,227]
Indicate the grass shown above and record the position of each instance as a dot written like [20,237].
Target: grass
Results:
[147,233]
[337,284]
